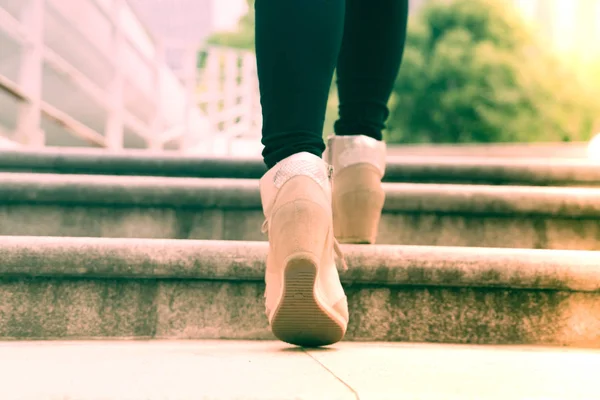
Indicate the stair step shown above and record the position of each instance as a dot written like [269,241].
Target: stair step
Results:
[67,288]
[230,209]
[404,168]
[228,370]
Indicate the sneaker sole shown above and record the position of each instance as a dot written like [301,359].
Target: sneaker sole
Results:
[300,319]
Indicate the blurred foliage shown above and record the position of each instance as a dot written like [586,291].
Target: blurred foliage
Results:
[473,72]
[243,37]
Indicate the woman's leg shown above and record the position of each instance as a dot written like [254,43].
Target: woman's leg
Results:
[369,60]
[297,48]
[368,64]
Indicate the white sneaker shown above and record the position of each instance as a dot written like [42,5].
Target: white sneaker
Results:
[305,301]
[358,198]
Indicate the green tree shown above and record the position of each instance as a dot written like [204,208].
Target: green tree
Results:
[473,72]
[242,38]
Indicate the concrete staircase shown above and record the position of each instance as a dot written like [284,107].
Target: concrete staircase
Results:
[132,247]
[229,209]
[465,168]
[73,288]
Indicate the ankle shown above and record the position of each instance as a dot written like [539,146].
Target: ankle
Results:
[300,176]
[345,151]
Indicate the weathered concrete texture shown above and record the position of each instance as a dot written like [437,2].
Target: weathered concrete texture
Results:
[128,191]
[129,162]
[244,194]
[493,171]
[51,308]
[529,232]
[548,150]
[77,288]
[125,222]
[482,165]
[474,316]
[230,260]
[423,228]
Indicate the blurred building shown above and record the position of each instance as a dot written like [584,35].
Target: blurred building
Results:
[184,23]
[177,20]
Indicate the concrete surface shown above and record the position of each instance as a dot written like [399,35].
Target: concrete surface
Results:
[408,228]
[244,194]
[453,168]
[230,370]
[180,208]
[102,288]
[459,267]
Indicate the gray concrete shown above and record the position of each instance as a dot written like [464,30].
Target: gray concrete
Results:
[129,162]
[392,371]
[477,169]
[549,150]
[228,370]
[186,208]
[245,261]
[95,288]
[163,370]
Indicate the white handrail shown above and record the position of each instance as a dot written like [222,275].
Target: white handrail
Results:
[30,35]
[13,27]
[226,87]
[229,93]
[54,114]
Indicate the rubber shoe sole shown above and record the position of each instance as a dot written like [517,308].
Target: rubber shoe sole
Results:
[300,319]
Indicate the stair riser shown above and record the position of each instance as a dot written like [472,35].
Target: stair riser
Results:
[39,308]
[410,164]
[477,230]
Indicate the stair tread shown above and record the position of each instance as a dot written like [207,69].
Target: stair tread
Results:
[273,370]
[31,188]
[405,167]
[245,260]
[78,288]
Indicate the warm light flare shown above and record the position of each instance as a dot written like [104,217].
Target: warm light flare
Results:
[594,148]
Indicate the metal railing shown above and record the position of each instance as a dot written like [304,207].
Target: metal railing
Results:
[222,83]
[221,103]
[28,31]
[228,94]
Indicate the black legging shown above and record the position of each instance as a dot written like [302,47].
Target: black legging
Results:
[298,45]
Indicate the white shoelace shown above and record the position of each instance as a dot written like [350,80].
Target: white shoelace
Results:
[336,246]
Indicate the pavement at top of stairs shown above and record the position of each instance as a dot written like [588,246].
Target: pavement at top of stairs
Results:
[165,370]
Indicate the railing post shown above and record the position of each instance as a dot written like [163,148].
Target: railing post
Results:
[249,92]
[231,86]
[211,78]
[255,116]
[29,120]
[190,80]
[156,125]
[114,129]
